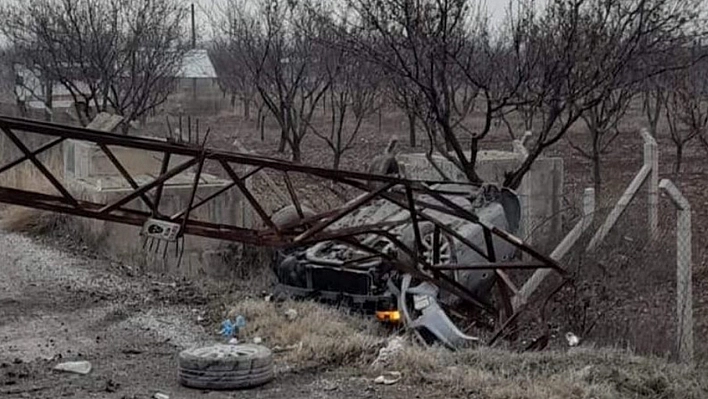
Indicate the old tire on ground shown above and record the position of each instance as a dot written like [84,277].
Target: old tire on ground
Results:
[226,366]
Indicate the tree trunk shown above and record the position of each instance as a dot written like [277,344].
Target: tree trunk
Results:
[448,146]
[261,124]
[283,140]
[246,108]
[295,148]
[411,129]
[597,177]
[233,100]
[513,179]
[679,158]
[380,121]
[337,159]
[49,102]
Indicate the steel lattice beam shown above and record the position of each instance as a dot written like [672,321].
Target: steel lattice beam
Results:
[307,231]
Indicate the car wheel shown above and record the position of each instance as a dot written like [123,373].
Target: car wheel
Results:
[428,236]
[226,366]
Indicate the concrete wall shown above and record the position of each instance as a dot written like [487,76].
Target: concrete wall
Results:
[541,191]
[89,175]
[84,160]
[201,256]
[92,177]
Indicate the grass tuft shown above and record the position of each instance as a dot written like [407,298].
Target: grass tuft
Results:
[318,336]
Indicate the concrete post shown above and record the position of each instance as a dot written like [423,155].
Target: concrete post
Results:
[649,171]
[684,294]
[537,278]
[651,157]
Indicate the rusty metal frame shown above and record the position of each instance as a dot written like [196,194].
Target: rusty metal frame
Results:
[309,229]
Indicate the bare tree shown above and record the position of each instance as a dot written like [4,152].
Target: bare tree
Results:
[585,50]
[111,55]
[354,94]
[686,107]
[448,56]
[653,100]
[407,100]
[234,76]
[281,49]
[602,122]
[556,63]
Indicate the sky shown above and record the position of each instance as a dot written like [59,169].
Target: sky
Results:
[496,8]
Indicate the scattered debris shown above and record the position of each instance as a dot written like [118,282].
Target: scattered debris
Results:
[160,395]
[291,314]
[233,341]
[112,386]
[80,367]
[329,386]
[386,354]
[573,340]
[278,348]
[230,329]
[257,340]
[388,378]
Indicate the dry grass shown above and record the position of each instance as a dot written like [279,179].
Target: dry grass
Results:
[326,336]
[323,336]
[580,373]
[30,221]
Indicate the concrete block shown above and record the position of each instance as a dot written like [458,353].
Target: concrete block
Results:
[541,191]
[90,176]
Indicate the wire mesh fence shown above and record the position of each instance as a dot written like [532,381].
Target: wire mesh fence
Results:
[634,289]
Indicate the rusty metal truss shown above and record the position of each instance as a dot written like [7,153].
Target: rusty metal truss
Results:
[307,231]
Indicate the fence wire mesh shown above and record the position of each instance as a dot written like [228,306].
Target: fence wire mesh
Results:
[632,292]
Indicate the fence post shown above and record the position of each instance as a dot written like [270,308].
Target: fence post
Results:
[684,298]
[537,278]
[649,171]
[651,157]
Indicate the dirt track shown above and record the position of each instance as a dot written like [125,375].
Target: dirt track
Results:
[59,306]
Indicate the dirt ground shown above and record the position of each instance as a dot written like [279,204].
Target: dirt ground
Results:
[64,304]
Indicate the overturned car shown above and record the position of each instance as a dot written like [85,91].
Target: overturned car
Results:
[340,272]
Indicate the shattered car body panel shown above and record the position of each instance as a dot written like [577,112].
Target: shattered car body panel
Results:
[337,271]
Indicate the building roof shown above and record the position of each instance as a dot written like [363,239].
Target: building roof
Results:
[197,64]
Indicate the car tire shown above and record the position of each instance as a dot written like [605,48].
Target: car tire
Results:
[426,232]
[222,367]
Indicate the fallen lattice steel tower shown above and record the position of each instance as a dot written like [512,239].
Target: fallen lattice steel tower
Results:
[308,230]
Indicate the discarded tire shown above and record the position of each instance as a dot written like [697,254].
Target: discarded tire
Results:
[226,366]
